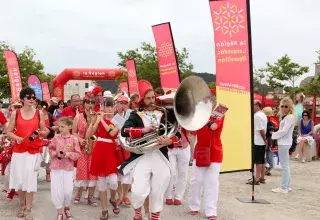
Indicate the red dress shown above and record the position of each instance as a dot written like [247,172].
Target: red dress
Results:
[84,162]
[104,157]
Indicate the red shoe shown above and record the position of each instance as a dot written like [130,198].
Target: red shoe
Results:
[126,201]
[68,214]
[177,202]
[119,201]
[11,194]
[212,217]
[169,202]
[60,217]
[194,212]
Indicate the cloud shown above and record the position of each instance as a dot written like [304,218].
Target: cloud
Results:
[90,33]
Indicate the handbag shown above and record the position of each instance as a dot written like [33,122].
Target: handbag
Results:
[203,155]
[122,155]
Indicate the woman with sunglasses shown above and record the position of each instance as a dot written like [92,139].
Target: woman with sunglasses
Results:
[306,128]
[104,157]
[58,112]
[23,170]
[284,139]
[80,130]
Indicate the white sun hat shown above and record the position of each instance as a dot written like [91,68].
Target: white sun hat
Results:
[107,94]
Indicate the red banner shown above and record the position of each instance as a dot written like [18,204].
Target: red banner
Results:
[234,71]
[232,44]
[14,74]
[132,77]
[124,87]
[46,92]
[167,61]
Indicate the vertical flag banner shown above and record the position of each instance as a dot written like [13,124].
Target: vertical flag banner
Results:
[13,74]
[46,92]
[234,80]
[35,84]
[132,77]
[167,60]
[124,87]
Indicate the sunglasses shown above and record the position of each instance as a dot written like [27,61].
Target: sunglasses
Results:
[305,115]
[90,102]
[30,97]
[284,106]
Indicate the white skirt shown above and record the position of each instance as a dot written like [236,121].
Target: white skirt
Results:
[309,139]
[22,172]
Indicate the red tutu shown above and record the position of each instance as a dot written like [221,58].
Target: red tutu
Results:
[104,156]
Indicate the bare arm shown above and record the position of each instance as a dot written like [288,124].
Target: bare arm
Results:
[299,128]
[42,125]
[113,131]
[312,128]
[11,127]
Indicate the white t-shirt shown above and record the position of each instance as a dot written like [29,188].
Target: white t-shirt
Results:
[260,123]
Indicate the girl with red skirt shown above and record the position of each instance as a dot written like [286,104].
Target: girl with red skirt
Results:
[83,177]
[104,157]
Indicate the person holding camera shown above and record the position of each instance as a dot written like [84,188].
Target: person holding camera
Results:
[64,151]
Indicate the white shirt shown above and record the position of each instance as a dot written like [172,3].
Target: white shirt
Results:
[260,123]
[284,134]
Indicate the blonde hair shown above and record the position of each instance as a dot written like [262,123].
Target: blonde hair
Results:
[66,121]
[287,101]
[268,111]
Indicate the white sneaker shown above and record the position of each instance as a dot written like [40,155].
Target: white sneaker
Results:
[279,190]
[296,157]
[146,218]
[289,189]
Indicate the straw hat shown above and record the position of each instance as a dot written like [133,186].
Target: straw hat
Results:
[268,111]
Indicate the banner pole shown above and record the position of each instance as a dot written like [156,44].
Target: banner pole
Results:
[175,54]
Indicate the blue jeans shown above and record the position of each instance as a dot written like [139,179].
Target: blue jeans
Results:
[269,156]
[283,152]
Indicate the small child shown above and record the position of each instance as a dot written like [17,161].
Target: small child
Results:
[64,151]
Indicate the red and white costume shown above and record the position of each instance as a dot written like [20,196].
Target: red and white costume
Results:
[62,170]
[207,177]
[104,159]
[83,176]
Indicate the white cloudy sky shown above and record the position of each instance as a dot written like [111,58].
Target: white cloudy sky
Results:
[83,33]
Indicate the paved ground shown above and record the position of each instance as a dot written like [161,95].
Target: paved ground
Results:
[302,204]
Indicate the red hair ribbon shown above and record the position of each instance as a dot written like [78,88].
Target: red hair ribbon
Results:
[96,90]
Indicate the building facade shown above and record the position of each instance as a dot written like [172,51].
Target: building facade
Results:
[77,87]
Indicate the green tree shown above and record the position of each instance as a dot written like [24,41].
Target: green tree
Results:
[28,66]
[284,71]
[313,87]
[147,63]
[212,85]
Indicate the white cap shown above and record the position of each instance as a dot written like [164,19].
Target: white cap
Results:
[107,94]
[90,88]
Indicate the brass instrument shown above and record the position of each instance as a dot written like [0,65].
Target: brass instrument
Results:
[88,147]
[192,106]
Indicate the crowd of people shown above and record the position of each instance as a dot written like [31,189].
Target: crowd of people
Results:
[78,146]
[279,133]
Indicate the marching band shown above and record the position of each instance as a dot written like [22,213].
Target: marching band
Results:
[148,153]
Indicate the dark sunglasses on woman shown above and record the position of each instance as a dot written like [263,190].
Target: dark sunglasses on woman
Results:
[30,97]
[90,102]
[284,106]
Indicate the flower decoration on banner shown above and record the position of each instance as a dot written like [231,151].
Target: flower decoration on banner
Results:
[229,19]
[57,92]
[165,50]
[12,61]
[76,74]
[112,74]
[131,73]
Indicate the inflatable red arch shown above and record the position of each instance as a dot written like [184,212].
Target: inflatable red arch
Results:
[81,74]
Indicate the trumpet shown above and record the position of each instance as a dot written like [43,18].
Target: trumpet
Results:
[89,144]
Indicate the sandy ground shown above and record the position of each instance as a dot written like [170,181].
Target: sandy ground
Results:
[301,204]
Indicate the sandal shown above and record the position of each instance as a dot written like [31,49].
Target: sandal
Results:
[263,181]
[115,209]
[250,182]
[77,198]
[21,212]
[92,202]
[104,215]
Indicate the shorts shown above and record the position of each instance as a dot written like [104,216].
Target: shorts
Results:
[259,154]
[110,181]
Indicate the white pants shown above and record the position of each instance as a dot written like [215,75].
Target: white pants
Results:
[179,160]
[110,181]
[61,188]
[208,177]
[126,179]
[151,176]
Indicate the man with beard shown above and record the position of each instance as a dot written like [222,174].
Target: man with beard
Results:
[152,164]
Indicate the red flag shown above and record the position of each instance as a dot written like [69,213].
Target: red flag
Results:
[124,87]
[46,92]
[167,60]
[13,73]
[132,77]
